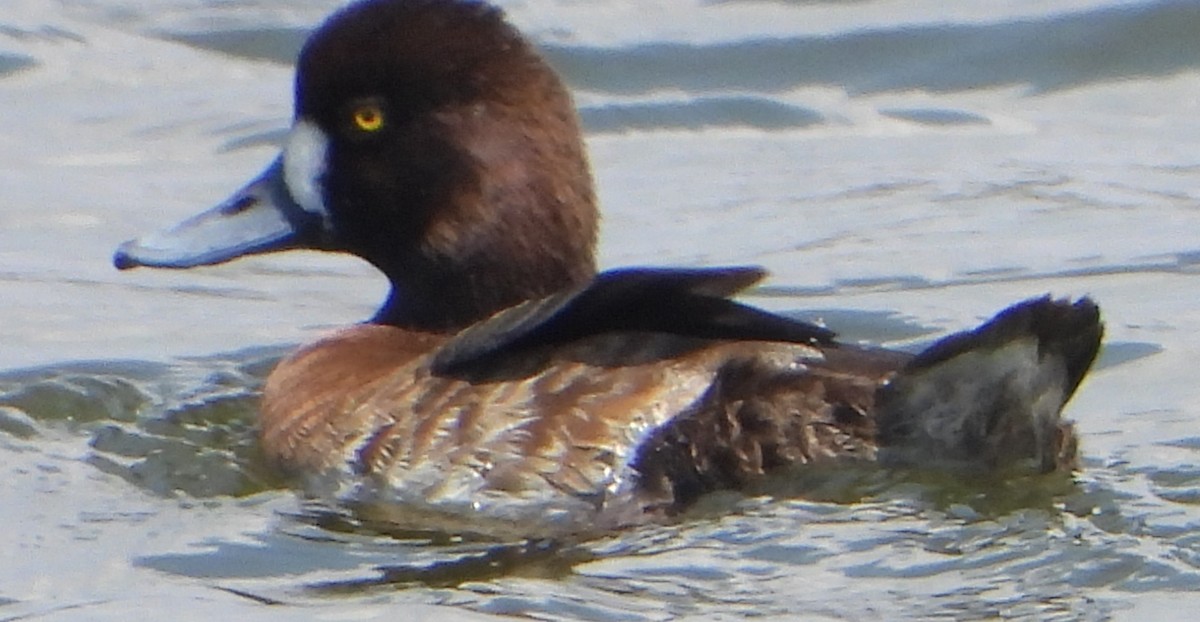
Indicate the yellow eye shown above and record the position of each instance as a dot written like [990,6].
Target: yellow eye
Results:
[368,117]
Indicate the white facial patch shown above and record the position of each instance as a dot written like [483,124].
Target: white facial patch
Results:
[304,167]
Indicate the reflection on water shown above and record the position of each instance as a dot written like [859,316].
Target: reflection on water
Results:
[953,562]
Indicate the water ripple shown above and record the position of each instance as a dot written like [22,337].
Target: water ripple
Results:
[1047,53]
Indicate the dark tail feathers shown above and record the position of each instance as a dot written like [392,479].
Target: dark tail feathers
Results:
[992,397]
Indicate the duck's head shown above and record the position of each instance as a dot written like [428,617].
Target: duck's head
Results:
[431,140]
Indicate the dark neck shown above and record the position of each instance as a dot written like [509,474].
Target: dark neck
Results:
[447,301]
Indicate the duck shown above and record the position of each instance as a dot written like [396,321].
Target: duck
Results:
[506,387]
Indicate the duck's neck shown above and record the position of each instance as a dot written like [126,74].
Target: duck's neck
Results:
[447,300]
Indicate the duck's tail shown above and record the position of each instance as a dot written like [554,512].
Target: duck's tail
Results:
[992,397]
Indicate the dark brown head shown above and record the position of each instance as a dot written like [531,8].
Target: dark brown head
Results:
[432,140]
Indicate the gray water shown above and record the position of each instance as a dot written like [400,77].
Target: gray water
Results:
[904,169]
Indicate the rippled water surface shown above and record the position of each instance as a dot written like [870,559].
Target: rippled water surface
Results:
[904,168]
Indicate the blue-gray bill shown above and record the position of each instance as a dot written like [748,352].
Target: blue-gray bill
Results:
[261,217]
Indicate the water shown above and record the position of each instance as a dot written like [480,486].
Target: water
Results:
[904,168]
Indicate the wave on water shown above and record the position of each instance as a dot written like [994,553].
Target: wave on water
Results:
[1048,53]
[737,83]
[13,63]
[186,428]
